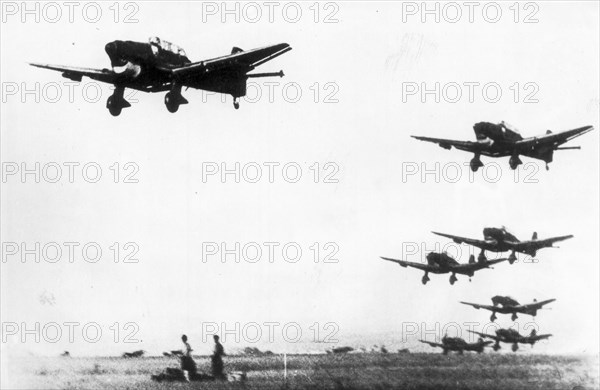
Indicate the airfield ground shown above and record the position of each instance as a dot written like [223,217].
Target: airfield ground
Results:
[351,371]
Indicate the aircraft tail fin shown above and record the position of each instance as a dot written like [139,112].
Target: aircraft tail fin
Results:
[533,332]
[235,50]
[534,236]
[472,259]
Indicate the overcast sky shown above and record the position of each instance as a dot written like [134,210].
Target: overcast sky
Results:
[351,114]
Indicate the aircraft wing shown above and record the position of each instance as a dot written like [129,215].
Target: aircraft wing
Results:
[535,305]
[421,266]
[432,343]
[489,336]
[468,146]
[540,337]
[478,306]
[461,268]
[76,73]
[536,244]
[468,241]
[244,61]
[553,139]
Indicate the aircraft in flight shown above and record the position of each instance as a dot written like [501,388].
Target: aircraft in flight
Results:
[500,240]
[459,345]
[507,305]
[501,140]
[159,66]
[511,336]
[442,263]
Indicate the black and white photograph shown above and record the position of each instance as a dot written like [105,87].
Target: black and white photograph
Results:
[300,195]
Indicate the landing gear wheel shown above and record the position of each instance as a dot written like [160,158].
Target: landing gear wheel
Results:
[171,103]
[493,317]
[496,347]
[236,103]
[112,107]
[475,164]
[514,317]
[515,347]
[514,162]
[453,279]
[425,279]
[512,258]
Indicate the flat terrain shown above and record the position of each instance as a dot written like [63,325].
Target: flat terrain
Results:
[351,371]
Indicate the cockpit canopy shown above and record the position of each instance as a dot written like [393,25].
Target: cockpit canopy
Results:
[167,46]
[510,127]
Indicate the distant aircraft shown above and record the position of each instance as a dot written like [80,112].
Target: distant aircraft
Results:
[134,354]
[459,345]
[340,350]
[513,337]
[442,263]
[510,306]
[160,66]
[500,240]
[500,140]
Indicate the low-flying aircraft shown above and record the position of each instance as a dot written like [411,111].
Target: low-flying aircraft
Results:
[507,305]
[442,263]
[501,140]
[459,345]
[511,336]
[159,66]
[500,240]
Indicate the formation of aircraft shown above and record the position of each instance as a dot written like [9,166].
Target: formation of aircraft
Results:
[501,140]
[511,336]
[459,345]
[442,263]
[160,66]
[507,305]
[500,240]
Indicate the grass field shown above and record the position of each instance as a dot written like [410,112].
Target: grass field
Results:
[351,371]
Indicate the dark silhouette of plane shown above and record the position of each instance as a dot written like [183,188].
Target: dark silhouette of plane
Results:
[500,240]
[134,354]
[507,305]
[513,337]
[459,345]
[442,263]
[340,350]
[501,140]
[159,66]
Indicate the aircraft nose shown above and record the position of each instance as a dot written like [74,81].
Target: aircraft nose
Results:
[110,48]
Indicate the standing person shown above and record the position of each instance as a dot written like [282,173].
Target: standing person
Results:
[188,365]
[217,359]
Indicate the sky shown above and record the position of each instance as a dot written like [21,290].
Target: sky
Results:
[340,179]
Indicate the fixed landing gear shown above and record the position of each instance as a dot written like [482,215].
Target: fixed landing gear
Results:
[475,163]
[493,317]
[514,317]
[453,279]
[173,99]
[481,257]
[496,346]
[514,162]
[512,258]
[115,102]
[515,346]
[425,279]
[236,103]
